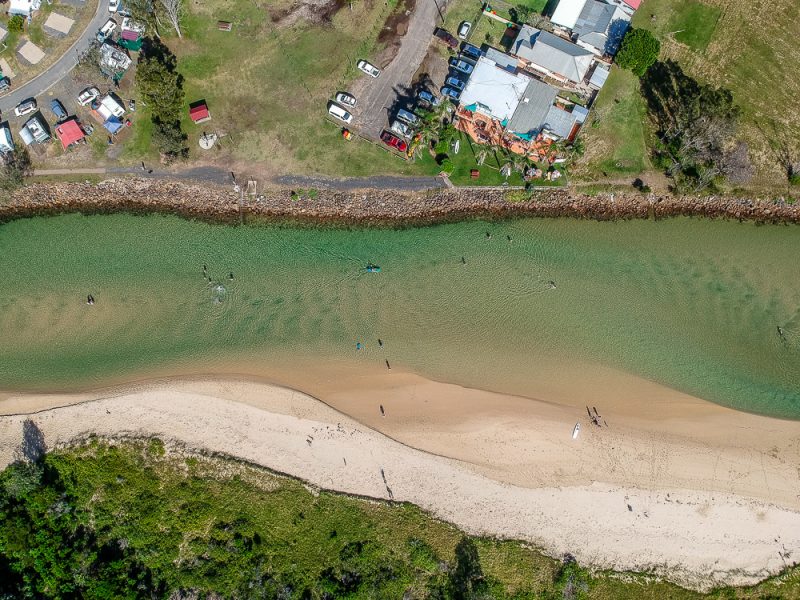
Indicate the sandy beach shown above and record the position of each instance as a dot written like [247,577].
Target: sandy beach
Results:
[676,486]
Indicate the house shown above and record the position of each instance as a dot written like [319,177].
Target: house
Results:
[600,27]
[629,6]
[567,12]
[502,60]
[113,60]
[69,133]
[598,78]
[34,130]
[552,56]
[513,110]
[23,7]
[110,106]
[6,142]
[30,53]
[58,25]
[199,113]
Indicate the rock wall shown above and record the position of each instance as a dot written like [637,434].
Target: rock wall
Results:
[370,207]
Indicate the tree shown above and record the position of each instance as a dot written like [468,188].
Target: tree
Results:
[16,24]
[638,51]
[16,166]
[695,124]
[173,10]
[161,87]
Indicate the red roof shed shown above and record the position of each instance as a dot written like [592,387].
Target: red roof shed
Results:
[634,4]
[69,132]
[199,112]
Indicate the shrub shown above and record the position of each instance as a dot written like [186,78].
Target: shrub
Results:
[794,179]
[447,166]
[639,50]
[16,24]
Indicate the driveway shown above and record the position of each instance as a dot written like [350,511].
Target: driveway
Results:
[58,70]
[377,96]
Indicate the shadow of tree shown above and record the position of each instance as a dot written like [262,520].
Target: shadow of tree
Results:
[33,445]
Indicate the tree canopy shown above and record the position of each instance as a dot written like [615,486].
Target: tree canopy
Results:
[638,51]
[15,166]
[696,126]
[161,87]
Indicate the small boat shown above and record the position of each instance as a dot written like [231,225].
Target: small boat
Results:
[576,431]
[373,268]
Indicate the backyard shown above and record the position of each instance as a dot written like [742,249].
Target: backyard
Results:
[717,43]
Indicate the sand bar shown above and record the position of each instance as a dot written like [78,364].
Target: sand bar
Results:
[672,520]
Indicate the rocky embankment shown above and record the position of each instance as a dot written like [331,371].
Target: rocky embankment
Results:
[370,207]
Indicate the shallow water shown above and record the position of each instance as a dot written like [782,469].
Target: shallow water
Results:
[693,304]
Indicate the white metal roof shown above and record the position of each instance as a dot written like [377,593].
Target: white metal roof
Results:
[567,12]
[493,90]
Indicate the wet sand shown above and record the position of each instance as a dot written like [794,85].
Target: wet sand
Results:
[675,485]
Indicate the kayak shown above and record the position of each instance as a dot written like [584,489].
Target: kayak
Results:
[373,268]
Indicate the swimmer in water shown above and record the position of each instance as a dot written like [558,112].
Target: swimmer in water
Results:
[463,260]
[488,235]
[552,284]
[509,238]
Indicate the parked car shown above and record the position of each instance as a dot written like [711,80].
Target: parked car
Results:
[106,30]
[392,140]
[113,5]
[369,68]
[5,84]
[401,128]
[455,83]
[58,109]
[471,51]
[407,117]
[463,29]
[88,128]
[339,112]
[87,95]
[346,99]
[451,93]
[461,65]
[25,107]
[446,37]
[426,96]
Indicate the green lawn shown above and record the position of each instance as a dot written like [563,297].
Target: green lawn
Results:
[614,135]
[694,23]
[131,520]
[267,86]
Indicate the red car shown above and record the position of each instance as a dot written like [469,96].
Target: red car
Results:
[393,141]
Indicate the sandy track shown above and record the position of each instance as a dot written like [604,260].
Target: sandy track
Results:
[694,537]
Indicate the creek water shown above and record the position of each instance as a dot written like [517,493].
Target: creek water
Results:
[708,308]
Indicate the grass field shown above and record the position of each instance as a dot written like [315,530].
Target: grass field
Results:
[103,519]
[694,23]
[750,49]
[267,84]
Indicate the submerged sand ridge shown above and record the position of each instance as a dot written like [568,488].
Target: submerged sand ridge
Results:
[690,490]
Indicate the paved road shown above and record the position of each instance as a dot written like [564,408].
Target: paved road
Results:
[58,70]
[380,182]
[221,176]
[375,96]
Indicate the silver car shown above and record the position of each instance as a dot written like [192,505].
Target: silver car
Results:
[401,128]
[346,99]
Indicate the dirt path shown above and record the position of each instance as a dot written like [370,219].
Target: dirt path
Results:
[375,96]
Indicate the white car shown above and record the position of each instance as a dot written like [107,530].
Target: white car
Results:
[106,30]
[113,6]
[340,113]
[346,99]
[88,95]
[368,68]
[25,107]
[463,29]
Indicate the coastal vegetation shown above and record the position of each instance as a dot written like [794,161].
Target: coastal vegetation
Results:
[717,48]
[139,519]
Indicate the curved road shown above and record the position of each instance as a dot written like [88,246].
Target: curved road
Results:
[58,70]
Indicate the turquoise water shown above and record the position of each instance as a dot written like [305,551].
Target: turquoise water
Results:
[692,304]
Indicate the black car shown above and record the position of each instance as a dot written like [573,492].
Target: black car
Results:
[471,51]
